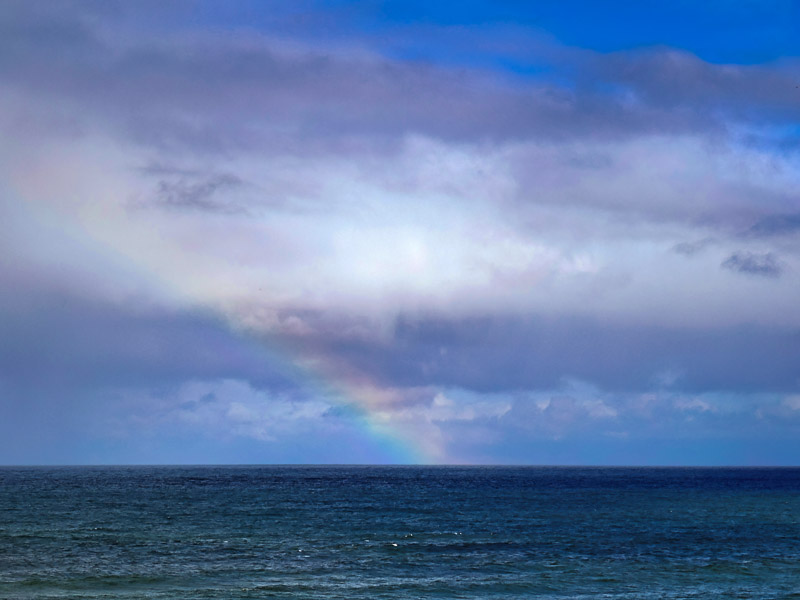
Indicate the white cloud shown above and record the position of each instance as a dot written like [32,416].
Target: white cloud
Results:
[693,405]
[361,243]
[792,402]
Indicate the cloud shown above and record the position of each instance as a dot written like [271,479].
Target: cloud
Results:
[222,409]
[457,237]
[575,410]
[764,264]
[500,354]
[693,405]
[673,79]
[204,193]
[58,340]
[692,248]
[775,225]
[220,93]
[792,402]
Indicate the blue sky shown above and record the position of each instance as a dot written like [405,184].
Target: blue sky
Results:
[718,31]
[332,232]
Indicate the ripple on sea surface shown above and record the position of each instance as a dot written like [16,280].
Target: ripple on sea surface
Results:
[404,532]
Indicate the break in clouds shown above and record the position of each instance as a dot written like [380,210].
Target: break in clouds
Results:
[242,243]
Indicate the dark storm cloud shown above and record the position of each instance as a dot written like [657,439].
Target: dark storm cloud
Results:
[764,264]
[58,340]
[498,354]
[68,361]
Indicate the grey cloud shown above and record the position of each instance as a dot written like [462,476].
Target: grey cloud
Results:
[651,182]
[56,339]
[775,225]
[211,92]
[676,80]
[752,263]
[208,194]
[501,354]
[64,359]
[692,248]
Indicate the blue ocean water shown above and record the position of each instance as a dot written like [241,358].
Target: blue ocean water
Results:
[398,532]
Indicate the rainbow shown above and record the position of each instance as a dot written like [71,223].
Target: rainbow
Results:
[362,401]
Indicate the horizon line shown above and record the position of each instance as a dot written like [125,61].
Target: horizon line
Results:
[408,465]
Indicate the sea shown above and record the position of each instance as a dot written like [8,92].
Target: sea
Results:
[398,532]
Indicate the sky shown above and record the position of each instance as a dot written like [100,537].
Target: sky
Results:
[400,232]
